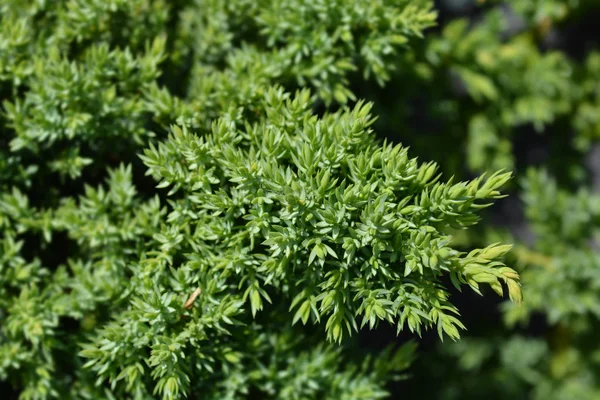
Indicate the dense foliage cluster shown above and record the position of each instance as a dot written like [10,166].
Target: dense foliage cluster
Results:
[214,199]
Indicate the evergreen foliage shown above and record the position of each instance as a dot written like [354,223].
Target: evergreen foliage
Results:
[214,200]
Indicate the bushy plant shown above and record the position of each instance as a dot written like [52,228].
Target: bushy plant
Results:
[215,200]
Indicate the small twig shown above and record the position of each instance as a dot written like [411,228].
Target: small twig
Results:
[190,302]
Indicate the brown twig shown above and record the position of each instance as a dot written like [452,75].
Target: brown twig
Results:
[190,302]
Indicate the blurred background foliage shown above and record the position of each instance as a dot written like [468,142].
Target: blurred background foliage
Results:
[516,85]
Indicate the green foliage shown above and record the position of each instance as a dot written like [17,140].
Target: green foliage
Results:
[315,44]
[484,81]
[560,276]
[315,207]
[275,215]
[216,200]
